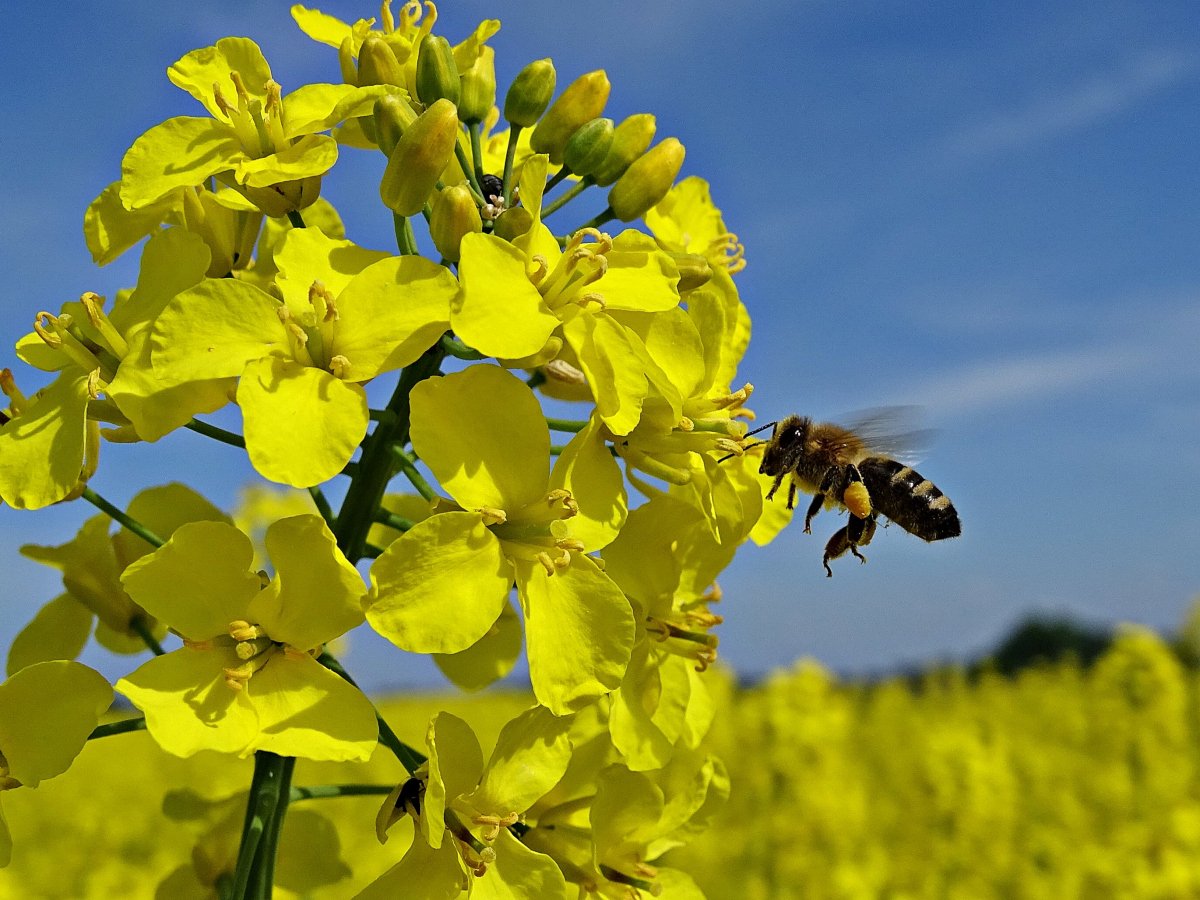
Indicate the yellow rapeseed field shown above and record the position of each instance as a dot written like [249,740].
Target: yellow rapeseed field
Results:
[1060,783]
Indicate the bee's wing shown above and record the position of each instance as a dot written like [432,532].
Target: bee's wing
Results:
[892,431]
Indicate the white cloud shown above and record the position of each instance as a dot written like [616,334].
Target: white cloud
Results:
[1091,101]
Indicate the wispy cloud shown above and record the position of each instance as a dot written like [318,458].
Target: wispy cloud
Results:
[1094,100]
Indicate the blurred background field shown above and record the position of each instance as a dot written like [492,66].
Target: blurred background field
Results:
[1074,776]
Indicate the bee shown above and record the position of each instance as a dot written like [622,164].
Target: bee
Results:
[851,469]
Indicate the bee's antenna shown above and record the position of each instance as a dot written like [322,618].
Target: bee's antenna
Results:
[764,428]
[747,447]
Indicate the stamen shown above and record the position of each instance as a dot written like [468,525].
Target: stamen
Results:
[16,399]
[542,267]
[584,299]
[94,304]
[197,645]
[493,516]
[385,16]
[219,99]
[241,630]
[546,561]
[686,424]
[94,385]
[570,544]
[251,649]
[340,367]
[561,370]
[497,822]
[45,332]
[725,445]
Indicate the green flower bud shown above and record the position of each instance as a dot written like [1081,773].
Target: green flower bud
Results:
[391,116]
[588,146]
[694,270]
[454,214]
[377,64]
[530,93]
[512,223]
[346,62]
[437,74]
[581,102]
[630,140]
[477,95]
[646,181]
[419,158]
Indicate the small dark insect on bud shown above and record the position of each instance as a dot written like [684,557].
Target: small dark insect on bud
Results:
[492,187]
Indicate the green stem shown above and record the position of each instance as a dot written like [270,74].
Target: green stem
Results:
[477,154]
[557,449]
[573,426]
[556,179]
[510,155]
[391,520]
[325,791]
[415,478]
[375,469]
[217,434]
[472,181]
[122,727]
[370,551]
[409,758]
[601,219]
[405,239]
[132,524]
[264,867]
[569,195]
[142,628]
[537,379]
[296,219]
[456,348]
[323,506]
[260,804]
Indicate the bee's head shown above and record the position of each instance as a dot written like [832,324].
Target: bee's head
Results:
[786,445]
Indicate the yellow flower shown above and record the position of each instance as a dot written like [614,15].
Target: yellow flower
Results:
[686,221]
[463,809]
[258,142]
[47,711]
[246,678]
[516,296]
[443,585]
[346,315]
[91,566]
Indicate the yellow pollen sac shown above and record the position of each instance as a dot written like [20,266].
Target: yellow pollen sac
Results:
[196,645]
[541,267]
[724,445]
[857,500]
[546,561]
[339,366]
[94,385]
[241,630]
[94,304]
[242,94]
[584,299]
[292,653]
[493,516]
[323,302]
[570,544]
[8,384]
[561,370]
[563,496]
[496,823]
[725,250]
[385,15]
[251,649]
[236,677]
[46,330]
[714,594]
[686,424]
[222,104]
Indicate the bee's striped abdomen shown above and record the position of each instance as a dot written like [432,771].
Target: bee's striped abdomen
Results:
[909,500]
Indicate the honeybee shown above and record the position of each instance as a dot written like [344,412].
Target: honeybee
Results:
[851,469]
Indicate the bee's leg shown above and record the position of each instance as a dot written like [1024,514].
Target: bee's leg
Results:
[837,546]
[858,534]
[819,500]
[813,508]
[775,486]
[791,504]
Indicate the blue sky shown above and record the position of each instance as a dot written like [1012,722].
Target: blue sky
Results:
[987,209]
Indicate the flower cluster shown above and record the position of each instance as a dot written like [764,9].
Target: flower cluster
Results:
[250,293]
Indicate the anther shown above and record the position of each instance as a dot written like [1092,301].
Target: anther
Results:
[584,299]
[197,645]
[339,366]
[493,516]
[546,561]
[540,270]
[46,331]
[222,104]
[725,445]
[561,370]
[570,544]
[8,385]
[241,630]
[686,424]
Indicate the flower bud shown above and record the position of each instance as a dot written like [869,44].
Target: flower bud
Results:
[646,181]
[391,116]
[437,74]
[581,102]
[278,200]
[512,223]
[377,64]
[694,270]
[630,140]
[530,93]
[477,94]
[588,147]
[419,158]
[454,214]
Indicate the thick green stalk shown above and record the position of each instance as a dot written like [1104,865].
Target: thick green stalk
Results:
[572,425]
[459,350]
[391,520]
[514,132]
[323,506]
[405,239]
[141,628]
[260,806]
[296,219]
[325,791]
[132,524]
[415,478]
[263,878]
[477,154]
[601,219]
[568,195]
[472,181]
[217,434]
[122,727]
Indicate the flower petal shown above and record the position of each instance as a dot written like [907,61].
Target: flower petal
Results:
[110,229]
[424,873]
[214,329]
[613,368]
[47,711]
[639,275]
[308,254]
[487,660]
[391,313]
[181,152]
[306,710]
[483,434]
[313,154]
[579,631]
[589,472]
[162,509]
[188,705]
[519,874]
[319,107]
[531,755]
[499,311]
[302,424]
[58,631]
[413,507]
[316,594]
[199,70]
[647,714]
[439,588]
[41,450]
[197,582]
